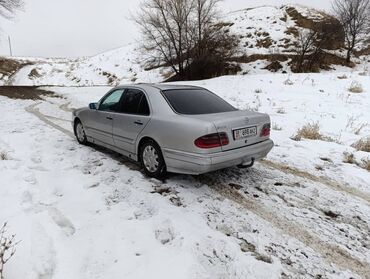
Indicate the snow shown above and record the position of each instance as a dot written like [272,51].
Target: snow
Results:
[108,68]
[86,212]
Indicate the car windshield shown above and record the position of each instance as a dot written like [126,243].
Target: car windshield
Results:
[196,101]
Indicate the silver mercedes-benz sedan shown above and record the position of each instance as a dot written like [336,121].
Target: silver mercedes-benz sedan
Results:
[174,128]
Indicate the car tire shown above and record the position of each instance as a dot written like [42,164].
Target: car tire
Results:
[80,132]
[152,160]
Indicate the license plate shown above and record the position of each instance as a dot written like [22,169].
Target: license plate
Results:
[245,133]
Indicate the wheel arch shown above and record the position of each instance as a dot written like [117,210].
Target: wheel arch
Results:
[141,142]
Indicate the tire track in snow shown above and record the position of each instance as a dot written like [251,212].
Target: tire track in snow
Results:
[36,112]
[331,253]
[65,107]
[57,118]
[323,180]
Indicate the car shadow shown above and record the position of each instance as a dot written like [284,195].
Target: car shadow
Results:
[224,176]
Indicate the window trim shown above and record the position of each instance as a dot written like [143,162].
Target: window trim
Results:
[200,88]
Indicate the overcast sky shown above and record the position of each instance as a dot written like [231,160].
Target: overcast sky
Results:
[70,28]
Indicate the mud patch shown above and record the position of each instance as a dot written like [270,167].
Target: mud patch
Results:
[25,92]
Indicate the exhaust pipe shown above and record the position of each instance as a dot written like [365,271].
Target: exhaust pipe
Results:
[242,166]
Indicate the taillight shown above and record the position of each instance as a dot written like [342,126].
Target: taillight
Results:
[265,132]
[212,140]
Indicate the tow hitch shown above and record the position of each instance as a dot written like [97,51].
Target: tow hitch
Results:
[242,166]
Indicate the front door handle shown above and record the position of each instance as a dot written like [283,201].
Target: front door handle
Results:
[109,118]
[139,122]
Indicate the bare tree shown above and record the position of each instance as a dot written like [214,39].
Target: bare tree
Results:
[354,16]
[165,26]
[305,45]
[9,7]
[206,14]
[180,33]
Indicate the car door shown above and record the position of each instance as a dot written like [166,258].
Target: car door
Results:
[133,117]
[101,126]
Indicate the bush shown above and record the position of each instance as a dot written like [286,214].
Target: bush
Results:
[362,145]
[276,127]
[356,87]
[7,248]
[349,158]
[258,91]
[311,131]
[281,111]
[4,156]
[288,82]
[366,164]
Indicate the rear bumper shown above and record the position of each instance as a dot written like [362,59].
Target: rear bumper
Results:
[191,163]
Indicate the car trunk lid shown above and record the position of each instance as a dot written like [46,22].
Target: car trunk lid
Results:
[242,127]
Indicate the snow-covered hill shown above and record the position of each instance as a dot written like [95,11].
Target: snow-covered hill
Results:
[263,32]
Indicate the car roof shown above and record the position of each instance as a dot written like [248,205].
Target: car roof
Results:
[162,86]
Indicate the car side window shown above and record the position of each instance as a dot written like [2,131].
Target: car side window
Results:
[112,101]
[135,102]
[143,106]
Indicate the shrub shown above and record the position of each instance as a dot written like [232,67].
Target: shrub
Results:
[258,91]
[356,87]
[7,248]
[288,82]
[276,127]
[348,158]
[362,145]
[3,156]
[281,111]
[366,164]
[311,131]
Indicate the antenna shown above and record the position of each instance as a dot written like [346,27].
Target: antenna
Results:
[10,46]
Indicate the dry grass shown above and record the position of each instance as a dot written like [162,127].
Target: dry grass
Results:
[342,77]
[288,82]
[281,111]
[362,145]
[7,248]
[3,156]
[365,164]
[349,158]
[357,130]
[276,127]
[258,91]
[356,87]
[311,131]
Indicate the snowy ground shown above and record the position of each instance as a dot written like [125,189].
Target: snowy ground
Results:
[85,212]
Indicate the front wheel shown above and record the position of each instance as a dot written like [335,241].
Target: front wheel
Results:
[80,133]
[151,159]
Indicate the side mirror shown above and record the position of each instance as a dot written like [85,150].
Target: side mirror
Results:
[93,106]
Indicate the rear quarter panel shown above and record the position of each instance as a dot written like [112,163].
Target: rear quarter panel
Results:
[178,132]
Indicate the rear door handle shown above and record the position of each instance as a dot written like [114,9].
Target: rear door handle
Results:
[109,118]
[139,122]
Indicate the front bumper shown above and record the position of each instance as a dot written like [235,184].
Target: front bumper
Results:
[190,163]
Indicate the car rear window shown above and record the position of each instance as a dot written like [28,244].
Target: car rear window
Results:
[196,101]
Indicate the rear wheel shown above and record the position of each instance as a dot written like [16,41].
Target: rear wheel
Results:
[80,133]
[151,160]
